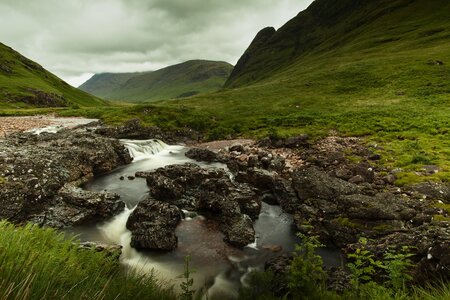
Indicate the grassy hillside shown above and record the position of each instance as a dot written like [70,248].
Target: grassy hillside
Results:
[178,81]
[24,83]
[385,78]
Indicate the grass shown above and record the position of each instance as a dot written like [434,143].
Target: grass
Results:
[40,263]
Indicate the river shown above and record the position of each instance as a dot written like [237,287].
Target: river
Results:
[220,268]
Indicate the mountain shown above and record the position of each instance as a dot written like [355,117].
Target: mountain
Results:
[342,27]
[177,81]
[24,83]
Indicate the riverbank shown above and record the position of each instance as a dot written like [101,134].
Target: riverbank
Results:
[338,191]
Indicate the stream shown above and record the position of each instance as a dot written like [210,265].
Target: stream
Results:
[220,268]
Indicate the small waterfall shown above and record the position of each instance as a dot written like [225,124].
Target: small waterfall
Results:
[143,149]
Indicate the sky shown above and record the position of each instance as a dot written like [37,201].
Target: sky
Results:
[76,38]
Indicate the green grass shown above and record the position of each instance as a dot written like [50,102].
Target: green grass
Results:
[20,77]
[40,263]
[177,81]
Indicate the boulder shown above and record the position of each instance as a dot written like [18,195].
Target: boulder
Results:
[201,154]
[210,192]
[152,225]
[35,169]
[310,182]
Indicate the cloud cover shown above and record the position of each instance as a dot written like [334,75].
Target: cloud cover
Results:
[76,38]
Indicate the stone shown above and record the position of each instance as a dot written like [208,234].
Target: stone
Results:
[152,225]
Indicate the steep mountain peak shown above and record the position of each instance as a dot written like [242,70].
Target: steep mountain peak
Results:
[329,25]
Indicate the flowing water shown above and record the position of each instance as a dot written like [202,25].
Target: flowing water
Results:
[220,268]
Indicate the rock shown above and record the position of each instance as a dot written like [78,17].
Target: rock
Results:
[152,225]
[338,280]
[201,154]
[239,148]
[356,179]
[131,177]
[365,171]
[297,141]
[76,207]
[279,266]
[273,248]
[432,190]
[271,187]
[383,206]
[431,169]
[113,251]
[389,179]
[240,232]
[374,156]
[211,192]
[312,183]
[36,168]
[122,178]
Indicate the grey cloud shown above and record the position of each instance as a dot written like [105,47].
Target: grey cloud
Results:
[76,37]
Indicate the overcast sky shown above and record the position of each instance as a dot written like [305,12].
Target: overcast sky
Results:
[76,38]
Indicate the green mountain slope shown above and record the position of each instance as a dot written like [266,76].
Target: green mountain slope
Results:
[181,80]
[340,28]
[24,83]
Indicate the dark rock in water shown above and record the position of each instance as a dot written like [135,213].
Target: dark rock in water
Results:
[113,251]
[74,206]
[239,230]
[271,187]
[211,192]
[131,177]
[201,154]
[313,183]
[35,169]
[152,225]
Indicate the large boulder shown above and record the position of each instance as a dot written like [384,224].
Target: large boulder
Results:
[152,225]
[35,168]
[313,183]
[210,192]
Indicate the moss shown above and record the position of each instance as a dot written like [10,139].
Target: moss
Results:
[383,227]
[441,218]
[444,206]
[2,180]
[346,222]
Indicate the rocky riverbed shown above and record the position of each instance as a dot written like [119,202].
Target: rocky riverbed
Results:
[335,189]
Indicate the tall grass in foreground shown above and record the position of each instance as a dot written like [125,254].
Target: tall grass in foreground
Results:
[38,263]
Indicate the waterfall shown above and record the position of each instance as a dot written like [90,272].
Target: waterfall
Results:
[143,149]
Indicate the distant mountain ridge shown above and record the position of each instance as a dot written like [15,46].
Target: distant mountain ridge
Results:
[24,83]
[177,81]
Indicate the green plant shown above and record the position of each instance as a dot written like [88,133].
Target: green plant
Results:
[188,283]
[396,265]
[306,275]
[363,265]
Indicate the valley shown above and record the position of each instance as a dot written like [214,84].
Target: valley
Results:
[317,167]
